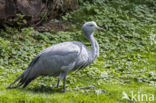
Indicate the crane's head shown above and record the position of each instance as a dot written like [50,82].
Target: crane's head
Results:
[89,27]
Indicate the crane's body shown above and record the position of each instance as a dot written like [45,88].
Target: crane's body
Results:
[55,61]
[60,59]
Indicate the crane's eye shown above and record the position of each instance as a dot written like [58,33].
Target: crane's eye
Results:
[91,25]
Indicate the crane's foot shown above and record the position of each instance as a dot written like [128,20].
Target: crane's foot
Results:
[64,90]
[92,87]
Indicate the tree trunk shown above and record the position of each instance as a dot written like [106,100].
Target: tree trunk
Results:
[35,8]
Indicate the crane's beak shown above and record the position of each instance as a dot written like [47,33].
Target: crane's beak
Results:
[99,28]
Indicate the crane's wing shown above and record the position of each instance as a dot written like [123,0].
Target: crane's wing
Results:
[60,57]
[67,50]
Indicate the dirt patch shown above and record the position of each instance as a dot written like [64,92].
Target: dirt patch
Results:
[52,26]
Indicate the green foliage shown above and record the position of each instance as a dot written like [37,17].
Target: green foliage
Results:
[20,20]
[4,47]
[127,54]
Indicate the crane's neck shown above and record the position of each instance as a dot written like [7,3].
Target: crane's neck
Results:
[95,47]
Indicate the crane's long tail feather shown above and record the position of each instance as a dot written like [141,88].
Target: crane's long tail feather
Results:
[10,86]
[24,78]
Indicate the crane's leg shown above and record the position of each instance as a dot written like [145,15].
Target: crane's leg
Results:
[62,76]
[64,84]
[58,83]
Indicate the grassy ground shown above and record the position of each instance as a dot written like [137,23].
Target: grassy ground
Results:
[113,83]
[126,66]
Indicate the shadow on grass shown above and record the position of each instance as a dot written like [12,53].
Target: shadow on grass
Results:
[42,89]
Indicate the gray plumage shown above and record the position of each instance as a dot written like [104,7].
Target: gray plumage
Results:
[60,59]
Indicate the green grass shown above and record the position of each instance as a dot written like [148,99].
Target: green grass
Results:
[113,82]
[127,61]
[44,90]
